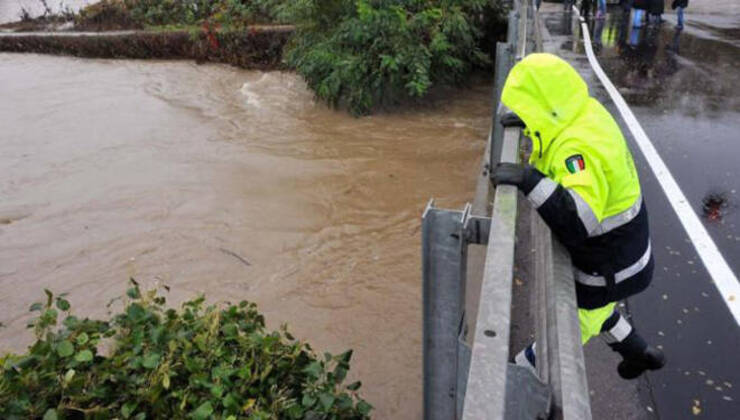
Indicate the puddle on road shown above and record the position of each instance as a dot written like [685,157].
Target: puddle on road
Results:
[209,178]
[661,66]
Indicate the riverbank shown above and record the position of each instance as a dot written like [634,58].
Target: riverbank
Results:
[257,48]
[120,29]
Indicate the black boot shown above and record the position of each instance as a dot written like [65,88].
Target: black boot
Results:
[638,356]
[651,358]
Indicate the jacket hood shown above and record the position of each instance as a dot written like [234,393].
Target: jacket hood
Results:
[547,94]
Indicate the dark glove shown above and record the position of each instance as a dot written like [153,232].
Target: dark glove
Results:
[524,177]
[508,174]
[510,119]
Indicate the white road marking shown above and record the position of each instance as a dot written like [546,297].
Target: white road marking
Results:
[724,279]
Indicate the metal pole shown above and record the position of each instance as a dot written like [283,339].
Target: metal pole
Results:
[503,65]
[522,28]
[504,62]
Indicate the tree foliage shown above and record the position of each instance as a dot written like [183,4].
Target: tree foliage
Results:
[198,362]
[143,13]
[354,53]
[362,53]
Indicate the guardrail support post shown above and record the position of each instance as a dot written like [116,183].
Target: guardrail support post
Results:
[445,238]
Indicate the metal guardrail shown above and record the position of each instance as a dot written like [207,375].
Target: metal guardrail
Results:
[485,395]
[446,235]
[478,382]
[560,361]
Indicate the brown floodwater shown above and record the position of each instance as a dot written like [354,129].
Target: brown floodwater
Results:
[234,183]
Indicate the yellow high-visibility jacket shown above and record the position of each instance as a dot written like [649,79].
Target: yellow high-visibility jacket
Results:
[585,185]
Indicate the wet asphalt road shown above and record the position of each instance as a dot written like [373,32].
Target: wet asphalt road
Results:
[683,86]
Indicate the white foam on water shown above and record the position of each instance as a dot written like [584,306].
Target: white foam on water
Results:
[276,90]
[251,97]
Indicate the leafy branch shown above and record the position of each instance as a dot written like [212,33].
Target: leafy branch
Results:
[199,361]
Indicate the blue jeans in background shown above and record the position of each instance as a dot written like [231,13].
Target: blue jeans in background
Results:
[637,18]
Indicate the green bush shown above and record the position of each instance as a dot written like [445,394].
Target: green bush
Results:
[170,12]
[197,362]
[364,53]
[235,14]
[238,14]
[359,54]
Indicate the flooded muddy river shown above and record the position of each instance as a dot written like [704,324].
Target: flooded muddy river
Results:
[234,183]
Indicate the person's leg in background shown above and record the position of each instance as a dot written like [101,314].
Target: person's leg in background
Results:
[601,13]
[586,8]
[679,15]
[637,18]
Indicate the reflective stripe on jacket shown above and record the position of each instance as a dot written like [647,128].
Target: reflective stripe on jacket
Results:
[585,185]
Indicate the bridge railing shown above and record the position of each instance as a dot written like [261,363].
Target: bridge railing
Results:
[471,377]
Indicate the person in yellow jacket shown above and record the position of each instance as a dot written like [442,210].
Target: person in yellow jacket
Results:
[582,180]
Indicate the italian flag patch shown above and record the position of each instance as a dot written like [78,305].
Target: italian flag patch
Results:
[575,164]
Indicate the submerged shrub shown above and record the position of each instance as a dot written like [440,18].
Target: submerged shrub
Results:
[196,362]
